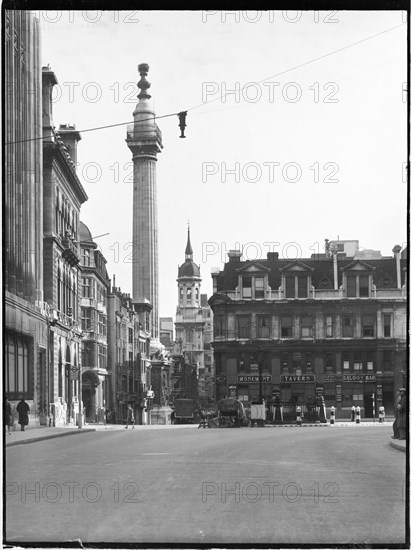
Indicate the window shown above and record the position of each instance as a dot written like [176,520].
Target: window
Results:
[357,286]
[253,288]
[302,286]
[370,361]
[296,286]
[219,325]
[387,325]
[328,326]
[346,360]
[263,328]
[85,257]
[189,335]
[368,327]
[86,287]
[86,319]
[181,293]
[351,286]
[130,335]
[243,326]
[259,287]
[306,327]
[147,321]
[246,287]
[364,286]
[348,328]
[102,325]
[357,360]
[196,293]
[189,292]
[290,287]
[329,365]
[17,368]
[286,327]
[102,357]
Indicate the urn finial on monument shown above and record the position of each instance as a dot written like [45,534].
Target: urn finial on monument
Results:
[143,84]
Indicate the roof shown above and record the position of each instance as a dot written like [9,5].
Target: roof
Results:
[189,269]
[85,234]
[321,271]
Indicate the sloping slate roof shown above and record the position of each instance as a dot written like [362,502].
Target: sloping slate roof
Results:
[322,277]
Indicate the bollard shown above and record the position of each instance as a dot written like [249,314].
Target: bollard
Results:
[352,413]
[358,415]
[381,414]
[332,415]
[298,415]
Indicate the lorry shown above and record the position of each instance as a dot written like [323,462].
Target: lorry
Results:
[183,411]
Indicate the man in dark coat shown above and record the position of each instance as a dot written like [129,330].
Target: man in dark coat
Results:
[402,414]
[23,410]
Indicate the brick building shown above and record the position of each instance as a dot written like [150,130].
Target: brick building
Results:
[334,324]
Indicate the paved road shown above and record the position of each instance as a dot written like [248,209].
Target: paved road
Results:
[290,485]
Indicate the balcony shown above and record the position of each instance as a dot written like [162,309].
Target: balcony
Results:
[144,135]
[70,250]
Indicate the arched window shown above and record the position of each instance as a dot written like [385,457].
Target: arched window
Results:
[189,293]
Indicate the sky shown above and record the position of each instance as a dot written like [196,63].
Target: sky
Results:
[296,130]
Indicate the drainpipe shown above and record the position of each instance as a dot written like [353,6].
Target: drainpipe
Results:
[335,271]
[396,250]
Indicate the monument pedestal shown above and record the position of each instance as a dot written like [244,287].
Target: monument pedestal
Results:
[160,415]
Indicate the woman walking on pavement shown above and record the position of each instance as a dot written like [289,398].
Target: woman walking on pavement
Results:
[130,416]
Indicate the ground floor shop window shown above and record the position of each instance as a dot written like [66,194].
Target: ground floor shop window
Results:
[18,367]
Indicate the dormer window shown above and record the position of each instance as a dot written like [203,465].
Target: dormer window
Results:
[296,280]
[357,280]
[253,288]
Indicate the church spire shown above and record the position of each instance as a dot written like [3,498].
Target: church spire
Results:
[189,250]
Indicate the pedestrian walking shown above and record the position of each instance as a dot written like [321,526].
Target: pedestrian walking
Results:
[23,410]
[7,415]
[395,423]
[203,419]
[130,416]
[402,413]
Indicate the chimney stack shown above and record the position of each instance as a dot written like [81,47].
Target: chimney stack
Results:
[70,137]
[48,81]
[397,250]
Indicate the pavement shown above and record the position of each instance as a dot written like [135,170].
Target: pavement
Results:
[43,432]
[184,486]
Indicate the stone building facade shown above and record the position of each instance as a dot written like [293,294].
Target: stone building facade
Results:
[332,325]
[25,311]
[95,286]
[63,195]
[129,365]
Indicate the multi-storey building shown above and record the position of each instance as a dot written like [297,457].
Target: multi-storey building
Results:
[25,313]
[63,195]
[95,285]
[332,324]
[129,363]
[193,327]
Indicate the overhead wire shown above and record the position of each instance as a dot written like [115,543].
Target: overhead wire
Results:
[223,95]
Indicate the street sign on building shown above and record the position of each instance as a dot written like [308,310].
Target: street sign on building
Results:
[74,372]
[297,378]
[253,378]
